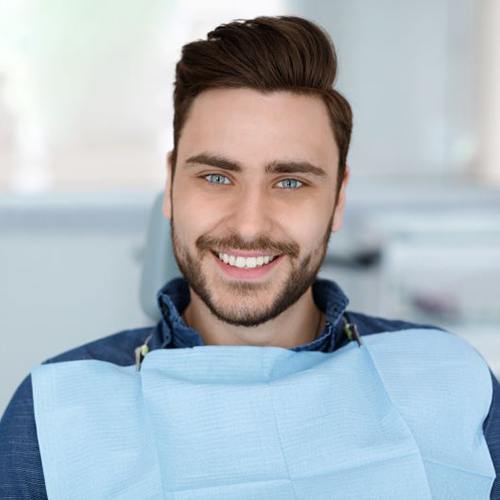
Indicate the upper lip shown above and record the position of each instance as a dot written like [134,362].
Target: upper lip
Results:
[246,253]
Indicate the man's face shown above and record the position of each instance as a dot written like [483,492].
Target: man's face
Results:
[212,208]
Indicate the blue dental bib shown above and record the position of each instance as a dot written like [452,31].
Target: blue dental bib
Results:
[398,418]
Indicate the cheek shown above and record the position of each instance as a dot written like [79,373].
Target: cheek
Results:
[308,233]
[306,224]
[191,220]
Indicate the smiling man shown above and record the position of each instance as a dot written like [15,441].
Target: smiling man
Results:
[257,382]
[260,171]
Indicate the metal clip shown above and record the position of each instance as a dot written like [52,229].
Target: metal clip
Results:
[351,331]
[140,353]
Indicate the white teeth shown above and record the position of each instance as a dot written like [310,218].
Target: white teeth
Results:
[247,262]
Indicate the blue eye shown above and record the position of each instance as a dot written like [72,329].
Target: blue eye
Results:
[293,186]
[292,180]
[219,176]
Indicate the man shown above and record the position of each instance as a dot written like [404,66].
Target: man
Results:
[257,383]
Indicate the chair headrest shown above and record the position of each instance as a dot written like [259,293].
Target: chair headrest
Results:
[159,264]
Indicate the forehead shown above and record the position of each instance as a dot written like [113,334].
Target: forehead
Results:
[254,127]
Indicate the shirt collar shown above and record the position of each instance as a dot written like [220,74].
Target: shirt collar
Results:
[174,297]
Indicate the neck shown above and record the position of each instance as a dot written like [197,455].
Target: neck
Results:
[299,324]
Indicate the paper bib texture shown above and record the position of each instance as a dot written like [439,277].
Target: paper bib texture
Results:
[398,418]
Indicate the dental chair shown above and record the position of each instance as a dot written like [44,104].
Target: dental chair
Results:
[159,265]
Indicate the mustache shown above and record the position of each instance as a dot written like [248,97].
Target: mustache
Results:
[263,244]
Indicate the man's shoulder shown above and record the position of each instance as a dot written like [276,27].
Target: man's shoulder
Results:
[117,348]
[21,474]
[426,339]
[369,325]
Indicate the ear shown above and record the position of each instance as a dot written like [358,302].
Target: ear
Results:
[167,203]
[339,210]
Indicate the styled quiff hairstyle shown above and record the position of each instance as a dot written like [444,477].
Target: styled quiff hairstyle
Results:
[265,54]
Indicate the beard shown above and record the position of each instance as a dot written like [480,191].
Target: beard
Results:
[242,303]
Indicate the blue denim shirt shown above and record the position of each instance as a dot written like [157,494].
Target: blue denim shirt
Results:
[21,474]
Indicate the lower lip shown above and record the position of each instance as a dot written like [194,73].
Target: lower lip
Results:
[243,273]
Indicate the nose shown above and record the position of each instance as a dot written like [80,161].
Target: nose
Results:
[252,215]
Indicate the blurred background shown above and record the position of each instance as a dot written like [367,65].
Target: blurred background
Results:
[86,120]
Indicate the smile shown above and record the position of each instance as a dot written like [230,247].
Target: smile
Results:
[245,262]
[246,267]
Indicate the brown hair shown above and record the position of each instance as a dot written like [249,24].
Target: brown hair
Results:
[266,54]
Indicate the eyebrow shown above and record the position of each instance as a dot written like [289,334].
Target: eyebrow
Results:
[275,167]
